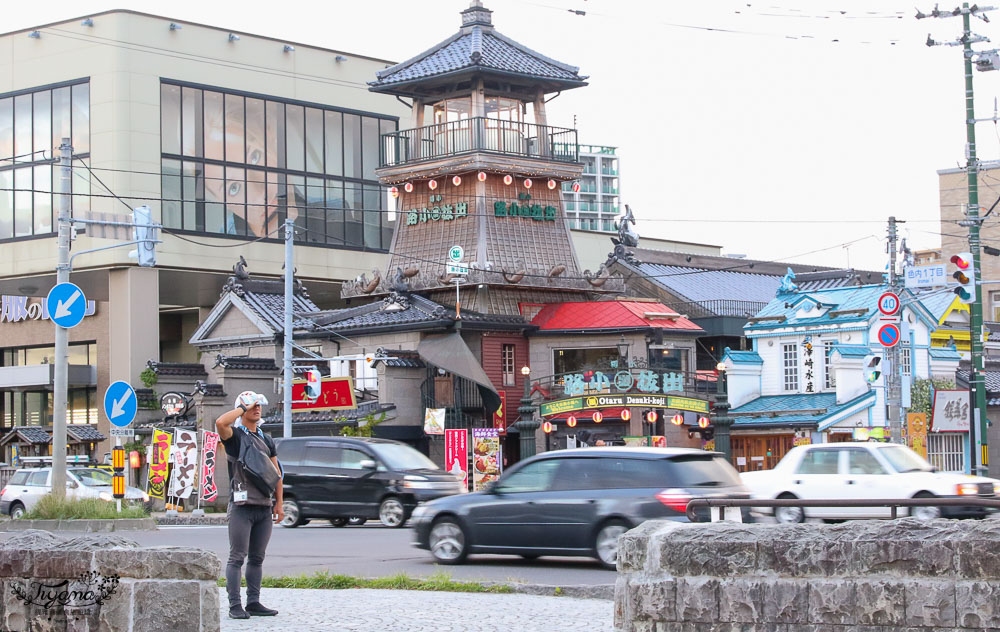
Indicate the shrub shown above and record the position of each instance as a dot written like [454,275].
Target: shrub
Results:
[51,508]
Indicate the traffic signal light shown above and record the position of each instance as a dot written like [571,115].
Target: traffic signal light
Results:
[146,236]
[966,277]
[873,368]
[313,384]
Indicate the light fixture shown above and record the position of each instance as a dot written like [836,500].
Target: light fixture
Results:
[432,184]
[35,35]
[552,184]
[527,183]
[720,367]
[457,180]
[482,176]
[525,371]
[623,346]
[394,192]
[507,179]
[339,58]
[408,187]
[175,27]
[233,37]
[87,22]
[289,48]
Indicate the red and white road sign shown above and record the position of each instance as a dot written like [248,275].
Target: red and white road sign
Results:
[889,304]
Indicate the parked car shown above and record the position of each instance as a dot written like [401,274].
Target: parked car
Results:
[573,502]
[863,470]
[344,478]
[28,485]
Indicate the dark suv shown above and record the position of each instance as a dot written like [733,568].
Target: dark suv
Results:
[574,502]
[340,478]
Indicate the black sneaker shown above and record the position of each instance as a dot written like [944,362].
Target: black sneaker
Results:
[257,610]
[237,612]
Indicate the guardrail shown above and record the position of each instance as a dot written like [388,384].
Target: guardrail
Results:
[892,503]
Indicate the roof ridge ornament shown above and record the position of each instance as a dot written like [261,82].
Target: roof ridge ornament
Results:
[477,15]
[788,284]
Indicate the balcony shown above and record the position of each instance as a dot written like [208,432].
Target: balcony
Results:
[478,135]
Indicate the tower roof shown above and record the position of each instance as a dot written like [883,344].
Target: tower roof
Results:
[476,49]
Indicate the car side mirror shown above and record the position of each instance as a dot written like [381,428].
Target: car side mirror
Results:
[368,464]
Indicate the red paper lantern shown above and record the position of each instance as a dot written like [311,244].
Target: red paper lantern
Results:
[626,414]
[552,184]
[482,176]
[457,180]
[652,416]
[133,460]
[597,417]
[527,183]
[507,179]
[703,422]
[432,184]
[677,420]
[408,187]
[576,187]
[571,421]
[394,192]
[547,427]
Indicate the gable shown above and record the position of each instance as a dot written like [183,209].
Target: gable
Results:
[231,320]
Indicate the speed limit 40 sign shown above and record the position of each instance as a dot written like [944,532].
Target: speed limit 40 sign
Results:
[889,304]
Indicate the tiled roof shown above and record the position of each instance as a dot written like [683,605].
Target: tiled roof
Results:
[852,351]
[364,408]
[992,381]
[853,304]
[936,302]
[596,315]
[400,360]
[192,369]
[939,353]
[477,48]
[84,432]
[271,307]
[799,408]
[742,357]
[166,424]
[28,434]
[394,311]
[246,364]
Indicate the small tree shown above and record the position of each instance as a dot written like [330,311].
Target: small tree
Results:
[365,430]
[921,394]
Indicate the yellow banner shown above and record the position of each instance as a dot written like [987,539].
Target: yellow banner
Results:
[916,431]
[687,403]
[159,463]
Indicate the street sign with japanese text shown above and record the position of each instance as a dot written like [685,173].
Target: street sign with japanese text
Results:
[932,275]
[458,269]
[951,412]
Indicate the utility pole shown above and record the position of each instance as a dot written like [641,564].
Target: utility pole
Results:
[286,412]
[977,434]
[893,373]
[60,388]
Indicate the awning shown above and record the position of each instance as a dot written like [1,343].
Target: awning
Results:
[449,352]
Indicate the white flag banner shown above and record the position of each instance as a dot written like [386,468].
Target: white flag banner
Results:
[185,471]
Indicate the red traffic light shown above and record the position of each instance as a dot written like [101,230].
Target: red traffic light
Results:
[703,422]
[962,260]
[626,414]
[677,419]
[571,421]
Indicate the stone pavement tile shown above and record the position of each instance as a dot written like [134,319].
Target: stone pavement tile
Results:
[305,610]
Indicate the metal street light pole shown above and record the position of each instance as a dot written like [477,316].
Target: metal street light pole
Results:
[286,412]
[60,379]
[721,419]
[527,425]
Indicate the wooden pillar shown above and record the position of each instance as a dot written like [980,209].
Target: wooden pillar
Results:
[417,123]
[544,143]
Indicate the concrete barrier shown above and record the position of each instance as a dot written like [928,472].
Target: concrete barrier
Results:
[861,576]
[105,582]
[86,526]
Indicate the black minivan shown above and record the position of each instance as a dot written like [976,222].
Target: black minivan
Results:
[345,478]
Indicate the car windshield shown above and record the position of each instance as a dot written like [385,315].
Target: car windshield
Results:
[92,477]
[703,471]
[903,459]
[402,457]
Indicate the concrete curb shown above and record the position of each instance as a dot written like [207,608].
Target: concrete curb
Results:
[581,591]
[207,519]
[87,526]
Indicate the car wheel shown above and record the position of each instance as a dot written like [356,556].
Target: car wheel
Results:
[16,511]
[356,521]
[606,542]
[392,513]
[293,516]
[447,542]
[789,515]
[338,522]
[925,513]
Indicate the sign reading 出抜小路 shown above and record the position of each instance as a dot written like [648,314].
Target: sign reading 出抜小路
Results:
[436,211]
[624,401]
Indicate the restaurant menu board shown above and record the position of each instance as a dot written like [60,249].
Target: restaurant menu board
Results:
[486,460]
[456,454]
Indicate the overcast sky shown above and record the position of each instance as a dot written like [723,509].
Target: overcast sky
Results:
[763,136]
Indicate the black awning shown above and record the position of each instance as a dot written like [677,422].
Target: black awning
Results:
[449,352]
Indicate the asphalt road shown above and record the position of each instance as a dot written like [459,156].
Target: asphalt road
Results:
[376,551]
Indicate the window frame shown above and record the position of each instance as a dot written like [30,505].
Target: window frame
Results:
[508,365]
[790,367]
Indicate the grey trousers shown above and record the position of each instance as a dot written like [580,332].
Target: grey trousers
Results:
[249,533]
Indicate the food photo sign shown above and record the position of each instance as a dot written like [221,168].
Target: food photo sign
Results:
[486,460]
[456,454]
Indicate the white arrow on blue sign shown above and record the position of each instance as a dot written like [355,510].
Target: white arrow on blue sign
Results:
[120,404]
[66,305]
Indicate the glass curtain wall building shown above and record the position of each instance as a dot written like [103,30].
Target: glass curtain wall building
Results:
[596,204]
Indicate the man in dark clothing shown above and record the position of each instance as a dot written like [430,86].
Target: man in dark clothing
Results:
[250,511]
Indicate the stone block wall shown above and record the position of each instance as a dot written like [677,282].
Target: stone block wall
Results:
[105,583]
[864,576]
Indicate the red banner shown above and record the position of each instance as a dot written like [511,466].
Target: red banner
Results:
[209,490]
[337,394]
[456,454]
[500,416]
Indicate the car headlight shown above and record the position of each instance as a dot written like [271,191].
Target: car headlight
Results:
[106,496]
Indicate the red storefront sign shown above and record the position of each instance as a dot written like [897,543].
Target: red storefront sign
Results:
[337,394]
[456,454]
[500,416]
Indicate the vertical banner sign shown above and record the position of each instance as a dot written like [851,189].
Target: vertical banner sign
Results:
[209,490]
[916,431]
[456,454]
[185,471]
[500,416]
[434,421]
[159,463]
[486,463]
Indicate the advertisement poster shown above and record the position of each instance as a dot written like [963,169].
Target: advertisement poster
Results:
[951,411]
[658,441]
[636,442]
[209,490]
[456,454]
[434,421]
[185,454]
[159,463]
[486,460]
[916,431]
[500,416]
[797,441]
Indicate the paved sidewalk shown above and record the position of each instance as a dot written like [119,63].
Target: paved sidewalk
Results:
[305,610]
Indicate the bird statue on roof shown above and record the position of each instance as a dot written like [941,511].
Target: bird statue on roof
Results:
[626,236]
[787,284]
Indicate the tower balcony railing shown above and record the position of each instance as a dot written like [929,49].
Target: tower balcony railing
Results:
[478,135]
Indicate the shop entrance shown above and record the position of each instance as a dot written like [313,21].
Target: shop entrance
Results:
[762,452]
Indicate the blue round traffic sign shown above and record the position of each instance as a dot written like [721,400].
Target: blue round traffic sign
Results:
[66,305]
[120,404]
[888,335]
